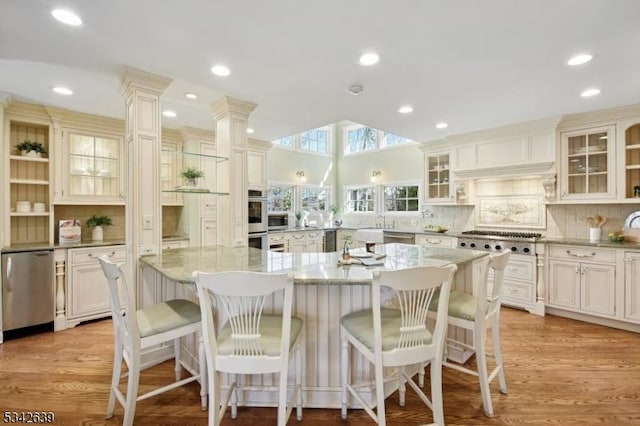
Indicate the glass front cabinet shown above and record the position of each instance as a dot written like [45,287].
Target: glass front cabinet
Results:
[438,185]
[588,164]
[631,160]
[93,169]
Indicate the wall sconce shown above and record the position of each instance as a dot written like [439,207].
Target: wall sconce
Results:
[374,175]
[301,177]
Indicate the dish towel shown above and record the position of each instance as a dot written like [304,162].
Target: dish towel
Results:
[371,235]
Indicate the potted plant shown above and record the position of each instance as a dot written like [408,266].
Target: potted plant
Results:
[191,173]
[97,222]
[31,148]
[298,216]
[334,215]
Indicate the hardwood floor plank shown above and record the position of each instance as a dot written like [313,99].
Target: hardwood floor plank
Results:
[559,372]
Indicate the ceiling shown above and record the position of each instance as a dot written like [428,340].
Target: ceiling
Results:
[471,63]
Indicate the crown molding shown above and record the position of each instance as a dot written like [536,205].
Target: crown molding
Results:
[132,77]
[227,105]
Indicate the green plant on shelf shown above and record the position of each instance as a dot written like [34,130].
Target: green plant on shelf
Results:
[191,173]
[94,221]
[27,146]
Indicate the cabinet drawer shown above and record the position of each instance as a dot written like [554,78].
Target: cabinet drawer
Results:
[315,235]
[435,240]
[581,253]
[520,270]
[89,255]
[517,292]
[276,238]
[297,236]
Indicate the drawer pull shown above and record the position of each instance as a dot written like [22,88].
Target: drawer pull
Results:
[581,254]
[113,253]
[434,241]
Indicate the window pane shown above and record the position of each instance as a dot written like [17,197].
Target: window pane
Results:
[313,199]
[401,198]
[360,200]
[279,198]
[361,139]
[288,141]
[314,140]
[390,139]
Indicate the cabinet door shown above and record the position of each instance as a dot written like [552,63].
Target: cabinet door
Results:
[93,168]
[256,169]
[564,284]
[89,294]
[208,233]
[170,179]
[588,164]
[632,286]
[631,181]
[438,185]
[597,292]
[297,242]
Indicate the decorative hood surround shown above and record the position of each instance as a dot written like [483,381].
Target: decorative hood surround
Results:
[543,168]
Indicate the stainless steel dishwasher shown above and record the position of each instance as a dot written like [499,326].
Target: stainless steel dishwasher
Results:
[399,237]
[27,289]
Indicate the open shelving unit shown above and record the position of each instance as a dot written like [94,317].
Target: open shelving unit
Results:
[632,159]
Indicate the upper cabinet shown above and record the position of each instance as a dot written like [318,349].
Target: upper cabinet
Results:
[438,186]
[630,129]
[170,168]
[588,164]
[93,168]
[28,176]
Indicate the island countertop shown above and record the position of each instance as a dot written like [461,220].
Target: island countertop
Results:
[309,268]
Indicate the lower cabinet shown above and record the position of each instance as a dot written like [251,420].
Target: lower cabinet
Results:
[305,241]
[632,286]
[87,290]
[436,240]
[583,279]
[168,245]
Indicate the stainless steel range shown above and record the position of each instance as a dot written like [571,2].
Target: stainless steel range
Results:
[497,241]
[520,287]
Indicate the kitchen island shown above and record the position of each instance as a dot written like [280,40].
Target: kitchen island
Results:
[324,291]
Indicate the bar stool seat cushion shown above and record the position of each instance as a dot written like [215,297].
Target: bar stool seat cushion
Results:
[360,325]
[167,316]
[270,335]
[461,305]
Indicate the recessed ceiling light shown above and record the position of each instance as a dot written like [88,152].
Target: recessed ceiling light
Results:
[355,90]
[369,59]
[191,95]
[220,70]
[442,125]
[168,113]
[590,92]
[250,130]
[580,59]
[62,90]
[66,17]
[407,109]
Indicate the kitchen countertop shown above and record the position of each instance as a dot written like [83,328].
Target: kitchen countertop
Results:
[586,242]
[83,244]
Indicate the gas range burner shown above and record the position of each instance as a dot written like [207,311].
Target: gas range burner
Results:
[497,241]
[505,235]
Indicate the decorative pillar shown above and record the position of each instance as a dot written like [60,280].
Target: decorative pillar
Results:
[143,138]
[231,116]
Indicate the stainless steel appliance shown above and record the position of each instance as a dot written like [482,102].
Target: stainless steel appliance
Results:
[257,211]
[277,221]
[520,286]
[28,297]
[399,237]
[258,240]
[329,240]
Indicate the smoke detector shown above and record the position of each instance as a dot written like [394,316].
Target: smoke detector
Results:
[355,90]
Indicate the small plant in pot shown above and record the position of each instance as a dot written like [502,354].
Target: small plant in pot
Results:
[298,216]
[191,173]
[97,222]
[31,148]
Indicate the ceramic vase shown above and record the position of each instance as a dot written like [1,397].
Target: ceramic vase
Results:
[97,234]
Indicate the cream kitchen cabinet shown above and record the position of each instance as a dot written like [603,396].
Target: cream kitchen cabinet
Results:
[256,169]
[438,178]
[519,282]
[28,180]
[91,168]
[587,164]
[87,295]
[436,240]
[170,245]
[630,132]
[306,241]
[632,286]
[582,279]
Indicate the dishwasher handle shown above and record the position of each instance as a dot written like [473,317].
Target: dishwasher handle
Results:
[9,285]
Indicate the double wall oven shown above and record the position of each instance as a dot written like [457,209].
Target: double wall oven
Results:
[520,278]
[257,217]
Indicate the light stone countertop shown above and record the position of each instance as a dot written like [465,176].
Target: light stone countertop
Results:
[310,268]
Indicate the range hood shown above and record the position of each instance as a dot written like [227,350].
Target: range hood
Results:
[543,168]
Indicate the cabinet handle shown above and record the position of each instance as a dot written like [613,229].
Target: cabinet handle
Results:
[113,253]
[434,241]
[581,254]
[577,269]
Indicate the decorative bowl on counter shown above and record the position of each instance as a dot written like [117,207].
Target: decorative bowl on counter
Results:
[435,228]
[616,238]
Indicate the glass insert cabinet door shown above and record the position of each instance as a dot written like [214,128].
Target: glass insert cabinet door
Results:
[587,162]
[94,165]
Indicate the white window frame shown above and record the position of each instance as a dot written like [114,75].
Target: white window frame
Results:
[284,185]
[296,145]
[381,202]
[327,203]
[347,189]
[379,141]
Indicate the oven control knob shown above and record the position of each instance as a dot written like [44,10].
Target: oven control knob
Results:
[526,250]
[498,248]
[514,248]
[487,246]
[472,245]
[463,244]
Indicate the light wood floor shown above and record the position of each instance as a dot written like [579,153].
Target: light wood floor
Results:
[559,372]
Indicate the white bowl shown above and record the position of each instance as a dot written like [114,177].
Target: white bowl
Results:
[23,206]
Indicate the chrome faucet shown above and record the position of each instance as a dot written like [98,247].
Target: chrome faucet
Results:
[378,224]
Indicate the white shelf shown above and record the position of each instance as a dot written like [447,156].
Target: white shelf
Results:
[31,214]
[29,181]
[32,159]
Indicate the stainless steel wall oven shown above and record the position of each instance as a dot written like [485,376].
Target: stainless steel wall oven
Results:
[257,211]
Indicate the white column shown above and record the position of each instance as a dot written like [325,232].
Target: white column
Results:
[231,116]
[143,138]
